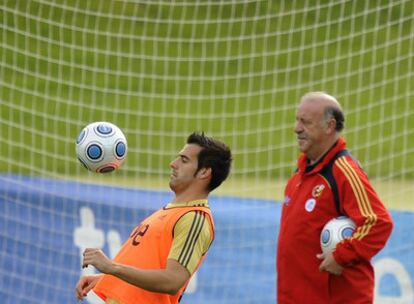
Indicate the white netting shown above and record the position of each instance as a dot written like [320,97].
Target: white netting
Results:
[233,69]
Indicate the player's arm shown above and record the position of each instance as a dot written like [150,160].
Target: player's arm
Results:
[168,280]
[192,238]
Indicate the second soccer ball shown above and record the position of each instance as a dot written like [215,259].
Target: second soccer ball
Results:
[335,231]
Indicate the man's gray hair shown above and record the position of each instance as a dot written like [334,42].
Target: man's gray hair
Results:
[333,111]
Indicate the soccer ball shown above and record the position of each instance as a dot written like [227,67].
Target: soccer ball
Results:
[101,147]
[335,231]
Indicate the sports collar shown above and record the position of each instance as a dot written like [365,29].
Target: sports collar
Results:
[340,144]
[195,203]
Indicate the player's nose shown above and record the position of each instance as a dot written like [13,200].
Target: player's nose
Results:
[173,164]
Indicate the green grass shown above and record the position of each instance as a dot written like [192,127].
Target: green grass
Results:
[162,71]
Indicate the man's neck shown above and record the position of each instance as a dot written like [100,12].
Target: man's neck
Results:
[322,154]
[316,160]
[188,197]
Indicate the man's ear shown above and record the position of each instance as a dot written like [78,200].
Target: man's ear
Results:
[204,172]
[331,126]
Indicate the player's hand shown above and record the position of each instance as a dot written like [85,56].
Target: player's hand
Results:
[85,284]
[96,258]
[329,264]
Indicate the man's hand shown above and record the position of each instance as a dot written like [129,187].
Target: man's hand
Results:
[96,258]
[329,264]
[85,284]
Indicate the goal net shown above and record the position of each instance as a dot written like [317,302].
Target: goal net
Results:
[163,69]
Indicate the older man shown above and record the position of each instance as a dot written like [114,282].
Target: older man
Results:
[328,182]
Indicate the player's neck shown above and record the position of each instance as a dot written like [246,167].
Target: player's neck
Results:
[187,196]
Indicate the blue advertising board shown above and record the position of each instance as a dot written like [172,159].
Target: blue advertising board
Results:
[45,225]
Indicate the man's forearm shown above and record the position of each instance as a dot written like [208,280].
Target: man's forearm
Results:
[167,281]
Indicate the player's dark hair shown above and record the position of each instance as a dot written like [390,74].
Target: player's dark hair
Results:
[338,115]
[215,155]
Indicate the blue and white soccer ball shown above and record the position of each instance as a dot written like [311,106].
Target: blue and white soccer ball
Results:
[335,231]
[101,147]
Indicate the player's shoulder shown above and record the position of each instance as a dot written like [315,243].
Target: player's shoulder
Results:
[193,216]
[193,221]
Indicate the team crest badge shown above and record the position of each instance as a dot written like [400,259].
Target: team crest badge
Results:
[317,190]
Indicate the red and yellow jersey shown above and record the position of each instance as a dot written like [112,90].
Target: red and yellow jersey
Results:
[163,235]
[308,206]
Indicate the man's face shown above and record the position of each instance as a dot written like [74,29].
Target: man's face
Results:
[310,129]
[184,168]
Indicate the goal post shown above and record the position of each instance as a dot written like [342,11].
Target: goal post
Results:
[234,69]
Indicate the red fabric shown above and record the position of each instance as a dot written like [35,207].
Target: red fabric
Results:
[308,205]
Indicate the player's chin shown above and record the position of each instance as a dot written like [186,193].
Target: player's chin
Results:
[173,179]
[172,184]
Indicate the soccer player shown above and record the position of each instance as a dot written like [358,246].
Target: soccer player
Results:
[328,182]
[156,262]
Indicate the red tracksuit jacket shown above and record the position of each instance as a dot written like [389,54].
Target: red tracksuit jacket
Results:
[308,206]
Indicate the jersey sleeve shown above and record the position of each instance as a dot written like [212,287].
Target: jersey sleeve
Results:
[192,238]
[362,204]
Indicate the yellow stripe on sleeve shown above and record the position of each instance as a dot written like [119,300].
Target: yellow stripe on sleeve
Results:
[361,197]
[192,238]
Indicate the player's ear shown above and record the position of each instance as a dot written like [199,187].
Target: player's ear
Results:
[204,172]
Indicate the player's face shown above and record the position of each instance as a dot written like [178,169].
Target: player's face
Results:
[310,129]
[184,168]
